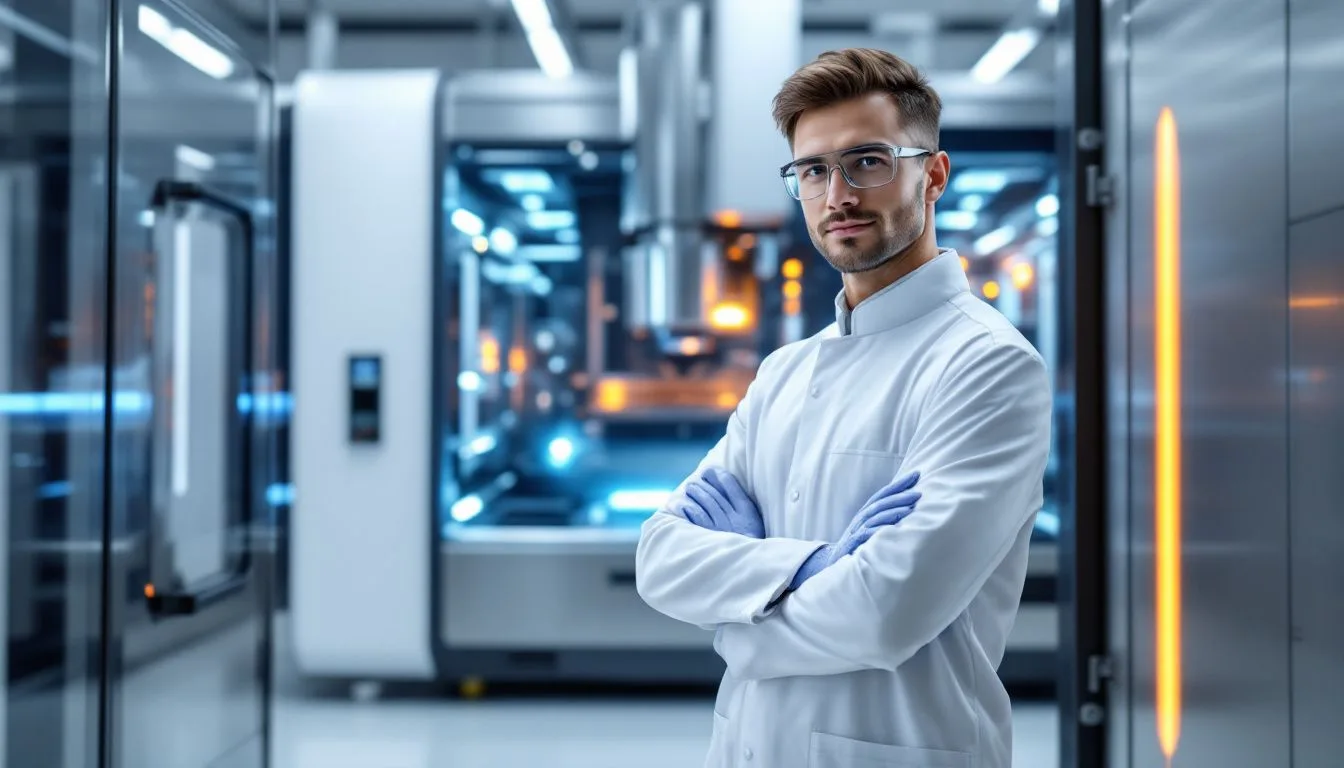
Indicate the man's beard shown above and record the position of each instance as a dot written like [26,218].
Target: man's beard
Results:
[898,232]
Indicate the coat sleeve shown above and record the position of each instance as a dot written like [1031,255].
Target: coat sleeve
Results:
[707,577]
[981,451]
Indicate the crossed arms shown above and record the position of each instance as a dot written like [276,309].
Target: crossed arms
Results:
[981,449]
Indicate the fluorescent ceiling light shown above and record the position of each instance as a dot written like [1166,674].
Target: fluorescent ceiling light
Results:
[194,157]
[466,508]
[550,219]
[550,52]
[637,501]
[532,202]
[522,181]
[1047,206]
[995,240]
[185,44]
[503,241]
[956,221]
[973,203]
[467,222]
[508,274]
[1048,7]
[987,182]
[533,14]
[1006,53]
[542,38]
[550,253]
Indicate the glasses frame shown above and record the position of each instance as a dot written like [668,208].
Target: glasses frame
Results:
[897,153]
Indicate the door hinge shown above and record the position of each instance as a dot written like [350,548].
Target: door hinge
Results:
[1100,187]
[1099,672]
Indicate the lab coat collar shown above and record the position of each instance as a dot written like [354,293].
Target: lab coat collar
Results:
[906,299]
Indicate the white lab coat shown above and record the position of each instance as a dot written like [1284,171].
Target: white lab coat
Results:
[888,657]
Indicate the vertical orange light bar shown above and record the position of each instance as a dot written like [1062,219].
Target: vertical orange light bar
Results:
[1167,255]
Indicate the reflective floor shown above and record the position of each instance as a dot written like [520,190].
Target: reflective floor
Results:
[327,729]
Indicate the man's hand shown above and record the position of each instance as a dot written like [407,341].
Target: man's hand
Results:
[886,507]
[716,500]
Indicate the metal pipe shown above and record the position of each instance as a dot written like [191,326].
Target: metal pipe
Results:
[669,175]
[323,31]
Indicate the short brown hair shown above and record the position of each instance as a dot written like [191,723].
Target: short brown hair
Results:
[837,76]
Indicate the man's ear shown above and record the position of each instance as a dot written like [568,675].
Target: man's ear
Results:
[939,170]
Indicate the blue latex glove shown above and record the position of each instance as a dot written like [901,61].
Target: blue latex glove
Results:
[717,501]
[886,507]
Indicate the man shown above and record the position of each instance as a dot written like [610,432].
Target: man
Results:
[858,539]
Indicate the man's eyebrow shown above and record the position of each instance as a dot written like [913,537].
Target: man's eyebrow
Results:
[846,151]
[864,147]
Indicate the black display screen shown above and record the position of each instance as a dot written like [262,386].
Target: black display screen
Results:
[366,383]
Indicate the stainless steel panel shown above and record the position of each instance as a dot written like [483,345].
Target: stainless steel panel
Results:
[552,595]
[1316,100]
[525,106]
[669,167]
[1233,673]
[1316,453]
[1115,107]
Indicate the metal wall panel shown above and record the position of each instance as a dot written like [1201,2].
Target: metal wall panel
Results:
[527,107]
[1233,675]
[1316,454]
[1115,111]
[1316,68]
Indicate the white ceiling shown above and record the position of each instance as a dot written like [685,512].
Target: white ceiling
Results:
[944,38]
[814,11]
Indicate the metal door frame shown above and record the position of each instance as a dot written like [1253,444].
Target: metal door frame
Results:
[1086,192]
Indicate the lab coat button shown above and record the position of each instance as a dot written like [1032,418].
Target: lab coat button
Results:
[746,753]
[794,496]
[816,391]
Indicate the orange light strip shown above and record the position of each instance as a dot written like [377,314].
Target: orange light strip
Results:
[1167,221]
[1315,302]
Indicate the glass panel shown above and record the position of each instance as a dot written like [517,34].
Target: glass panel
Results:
[53,330]
[558,409]
[193,184]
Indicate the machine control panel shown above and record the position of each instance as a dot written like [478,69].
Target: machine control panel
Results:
[366,383]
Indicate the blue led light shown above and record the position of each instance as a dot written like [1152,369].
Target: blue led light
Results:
[71,403]
[560,452]
[637,501]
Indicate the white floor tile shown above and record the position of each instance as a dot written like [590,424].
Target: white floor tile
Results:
[425,733]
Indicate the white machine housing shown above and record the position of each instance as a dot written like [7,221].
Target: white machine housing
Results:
[365,183]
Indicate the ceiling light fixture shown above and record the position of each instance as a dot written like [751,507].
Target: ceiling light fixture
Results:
[1007,52]
[542,38]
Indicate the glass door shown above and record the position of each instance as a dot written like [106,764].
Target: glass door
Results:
[190,595]
[135,292]
[54,413]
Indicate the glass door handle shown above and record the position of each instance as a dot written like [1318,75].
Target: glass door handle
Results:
[199,596]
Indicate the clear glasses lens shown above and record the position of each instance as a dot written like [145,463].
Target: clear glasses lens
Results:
[871,168]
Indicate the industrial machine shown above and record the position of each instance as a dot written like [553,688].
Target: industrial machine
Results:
[517,326]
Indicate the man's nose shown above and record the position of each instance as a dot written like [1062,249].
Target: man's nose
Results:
[839,194]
